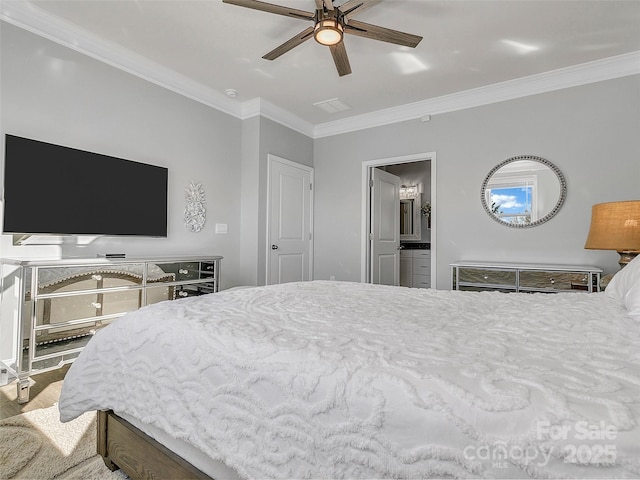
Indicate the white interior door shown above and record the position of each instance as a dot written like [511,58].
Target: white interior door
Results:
[385,228]
[290,227]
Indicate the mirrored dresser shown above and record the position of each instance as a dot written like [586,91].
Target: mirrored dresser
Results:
[50,309]
[524,277]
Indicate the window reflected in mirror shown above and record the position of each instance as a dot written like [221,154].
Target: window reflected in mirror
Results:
[523,191]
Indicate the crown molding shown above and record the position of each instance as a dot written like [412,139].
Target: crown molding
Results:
[262,107]
[37,21]
[582,74]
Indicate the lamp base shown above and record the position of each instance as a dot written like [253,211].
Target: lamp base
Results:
[626,257]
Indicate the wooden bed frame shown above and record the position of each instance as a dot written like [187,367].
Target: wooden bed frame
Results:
[129,449]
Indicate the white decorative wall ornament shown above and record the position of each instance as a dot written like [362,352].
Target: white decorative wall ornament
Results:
[194,211]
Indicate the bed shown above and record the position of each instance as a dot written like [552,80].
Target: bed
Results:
[330,379]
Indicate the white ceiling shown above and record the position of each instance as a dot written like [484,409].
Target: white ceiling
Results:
[205,47]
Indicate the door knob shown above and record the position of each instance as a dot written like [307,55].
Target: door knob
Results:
[274,247]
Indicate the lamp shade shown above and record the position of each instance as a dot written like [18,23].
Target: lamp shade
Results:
[615,226]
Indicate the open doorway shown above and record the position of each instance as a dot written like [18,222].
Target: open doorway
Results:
[414,171]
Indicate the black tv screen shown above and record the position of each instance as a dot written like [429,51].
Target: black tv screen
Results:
[50,189]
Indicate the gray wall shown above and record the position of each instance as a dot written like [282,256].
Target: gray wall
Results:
[250,201]
[590,133]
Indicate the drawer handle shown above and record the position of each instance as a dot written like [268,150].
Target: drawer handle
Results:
[486,277]
[96,305]
[183,271]
[182,293]
[96,277]
[553,281]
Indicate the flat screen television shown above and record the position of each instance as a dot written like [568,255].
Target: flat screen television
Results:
[51,189]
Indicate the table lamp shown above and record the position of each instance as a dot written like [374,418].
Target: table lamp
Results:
[616,226]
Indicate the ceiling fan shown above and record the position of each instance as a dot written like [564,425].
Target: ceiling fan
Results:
[330,23]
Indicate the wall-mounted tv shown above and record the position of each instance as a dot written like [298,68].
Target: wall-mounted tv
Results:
[51,189]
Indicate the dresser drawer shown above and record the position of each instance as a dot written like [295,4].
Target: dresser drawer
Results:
[58,310]
[550,280]
[421,266]
[193,290]
[480,288]
[160,293]
[208,268]
[487,276]
[421,281]
[422,254]
[78,279]
[188,271]
[54,341]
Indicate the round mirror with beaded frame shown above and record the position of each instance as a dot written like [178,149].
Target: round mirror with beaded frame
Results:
[523,191]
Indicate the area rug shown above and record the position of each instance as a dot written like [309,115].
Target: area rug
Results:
[37,446]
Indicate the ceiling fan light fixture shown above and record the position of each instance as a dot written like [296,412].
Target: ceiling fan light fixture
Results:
[328,32]
[330,23]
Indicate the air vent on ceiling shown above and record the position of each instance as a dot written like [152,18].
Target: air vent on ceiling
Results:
[333,105]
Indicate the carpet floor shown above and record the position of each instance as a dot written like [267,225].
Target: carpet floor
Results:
[37,446]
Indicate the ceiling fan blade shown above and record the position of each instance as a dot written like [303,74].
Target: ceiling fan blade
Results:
[306,34]
[354,7]
[321,4]
[328,4]
[339,53]
[375,32]
[271,8]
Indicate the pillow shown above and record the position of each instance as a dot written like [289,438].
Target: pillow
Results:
[625,286]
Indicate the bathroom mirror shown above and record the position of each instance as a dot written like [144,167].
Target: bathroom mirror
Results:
[523,191]
[410,219]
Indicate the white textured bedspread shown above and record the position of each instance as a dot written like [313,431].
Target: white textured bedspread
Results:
[348,380]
